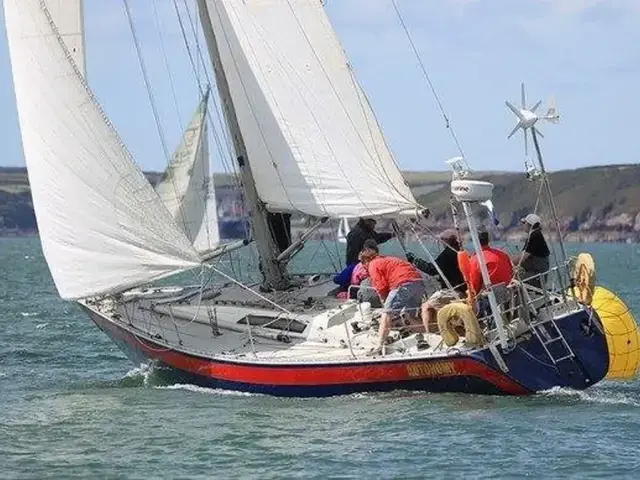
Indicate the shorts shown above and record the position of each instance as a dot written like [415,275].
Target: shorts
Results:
[407,296]
[440,298]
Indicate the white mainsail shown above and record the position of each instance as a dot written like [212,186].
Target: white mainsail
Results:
[102,226]
[69,20]
[186,188]
[312,139]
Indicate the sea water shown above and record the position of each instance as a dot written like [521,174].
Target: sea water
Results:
[72,406]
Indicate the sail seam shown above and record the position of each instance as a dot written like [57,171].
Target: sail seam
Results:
[252,109]
[346,112]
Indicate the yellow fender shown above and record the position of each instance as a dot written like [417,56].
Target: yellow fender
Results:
[620,327]
[453,312]
[584,276]
[621,331]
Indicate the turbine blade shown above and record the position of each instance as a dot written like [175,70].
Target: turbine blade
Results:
[515,129]
[526,144]
[524,105]
[514,109]
[538,132]
[535,107]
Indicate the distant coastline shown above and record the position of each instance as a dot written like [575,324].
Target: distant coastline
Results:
[594,204]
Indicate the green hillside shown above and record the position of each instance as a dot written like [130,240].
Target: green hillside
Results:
[606,197]
[596,194]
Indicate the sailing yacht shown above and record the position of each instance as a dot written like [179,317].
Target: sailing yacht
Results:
[305,140]
[343,230]
[187,188]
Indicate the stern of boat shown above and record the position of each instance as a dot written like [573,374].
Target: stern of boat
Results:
[567,351]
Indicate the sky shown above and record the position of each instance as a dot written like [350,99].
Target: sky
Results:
[583,53]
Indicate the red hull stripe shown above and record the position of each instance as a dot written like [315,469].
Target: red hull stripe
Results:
[314,375]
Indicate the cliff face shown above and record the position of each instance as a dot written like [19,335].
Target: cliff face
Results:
[593,204]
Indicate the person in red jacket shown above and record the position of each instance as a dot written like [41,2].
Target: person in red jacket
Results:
[498,264]
[399,285]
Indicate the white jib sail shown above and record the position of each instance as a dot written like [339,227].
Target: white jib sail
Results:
[187,187]
[102,226]
[312,139]
[69,20]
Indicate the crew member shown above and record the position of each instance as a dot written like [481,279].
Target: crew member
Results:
[399,285]
[361,232]
[447,263]
[534,259]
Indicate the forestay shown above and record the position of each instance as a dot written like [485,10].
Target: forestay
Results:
[186,188]
[312,140]
[102,226]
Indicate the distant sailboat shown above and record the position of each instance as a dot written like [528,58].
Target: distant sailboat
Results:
[343,230]
[306,140]
[187,188]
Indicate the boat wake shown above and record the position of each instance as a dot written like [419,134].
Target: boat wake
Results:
[146,375]
[599,396]
[209,391]
[140,376]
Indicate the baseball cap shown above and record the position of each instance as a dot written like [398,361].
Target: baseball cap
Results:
[531,219]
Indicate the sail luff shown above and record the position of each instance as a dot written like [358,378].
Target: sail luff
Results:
[68,15]
[311,135]
[102,227]
[273,272]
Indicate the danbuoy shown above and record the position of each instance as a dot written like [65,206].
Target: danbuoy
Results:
[621,331]
[584,276]
[459,310]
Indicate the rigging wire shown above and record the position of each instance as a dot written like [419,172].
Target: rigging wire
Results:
[428,79]
[344,108]
[195,66]
[250,290]
[145,75]
[204,191]
[152,102]
[165,57]
[223,145]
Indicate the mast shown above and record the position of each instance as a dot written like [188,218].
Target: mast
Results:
[273,274]
[545,180]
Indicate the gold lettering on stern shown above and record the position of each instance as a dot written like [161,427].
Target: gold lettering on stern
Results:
[431,369]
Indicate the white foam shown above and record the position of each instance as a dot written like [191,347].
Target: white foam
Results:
[592,396]
[143,370]
[208,391]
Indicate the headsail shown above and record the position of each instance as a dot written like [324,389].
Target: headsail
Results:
[68,17]
[312,139]
[102,226]
[187,187]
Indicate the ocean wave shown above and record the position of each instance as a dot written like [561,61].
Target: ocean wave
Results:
[209,391]
[139,376]
[592,396]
